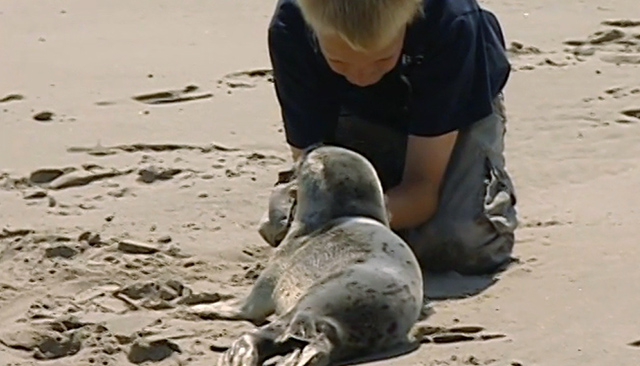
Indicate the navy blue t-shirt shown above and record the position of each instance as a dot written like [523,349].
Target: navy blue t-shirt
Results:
[453,65]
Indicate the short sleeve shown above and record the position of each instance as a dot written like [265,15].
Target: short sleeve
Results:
[301,85]
[451,87]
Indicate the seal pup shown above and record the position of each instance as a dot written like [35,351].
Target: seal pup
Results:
[341,283]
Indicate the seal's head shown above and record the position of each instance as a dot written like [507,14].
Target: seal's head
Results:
[335,182]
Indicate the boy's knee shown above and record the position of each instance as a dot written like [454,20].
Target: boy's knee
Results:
[469,249]
[487,258]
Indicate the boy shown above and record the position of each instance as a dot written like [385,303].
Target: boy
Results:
[416,87]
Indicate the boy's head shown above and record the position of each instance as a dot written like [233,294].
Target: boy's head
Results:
[361,39]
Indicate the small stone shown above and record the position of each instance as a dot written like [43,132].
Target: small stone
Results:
[52,202]
[111,304]
[95,292]
[132,247]
[109,218]
[43,116]
[37,194]
[119,193]
[152,174]
[156,351]
[91,238]
[164,239]
[472,360]
[574,42]
[200,298]
[61,251]
[203,195]
[584,51]
[84,236]
[24,338]
[218,348]
[240,84]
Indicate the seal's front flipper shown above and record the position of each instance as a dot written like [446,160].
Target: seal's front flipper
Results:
[275,223]
[243,309]
[256,307]
[223,310]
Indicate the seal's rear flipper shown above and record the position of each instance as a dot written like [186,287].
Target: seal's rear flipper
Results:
[313,354]
[309,339]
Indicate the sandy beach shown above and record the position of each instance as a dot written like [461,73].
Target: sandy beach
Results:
[140,141]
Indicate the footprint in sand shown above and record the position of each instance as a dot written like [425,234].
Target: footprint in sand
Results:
[11,98]
[186,94]
[35,186]
[173,96]
[622,23]
[616,92]
[152,173]
[154,350]
[246,79]
[43,342]
[517,48]
[63,337]
[615,45]
[632,113]
[44,116]
[527,58]
[143,147]
[57,179]
[462,333]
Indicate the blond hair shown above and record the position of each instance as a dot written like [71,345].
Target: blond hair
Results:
[363,24]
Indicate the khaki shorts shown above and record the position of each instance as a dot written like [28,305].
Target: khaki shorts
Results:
[472,230]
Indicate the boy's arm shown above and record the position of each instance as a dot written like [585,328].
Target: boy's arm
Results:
[415,199]
[295,152]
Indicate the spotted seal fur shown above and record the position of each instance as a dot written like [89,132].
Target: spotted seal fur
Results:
[341,283]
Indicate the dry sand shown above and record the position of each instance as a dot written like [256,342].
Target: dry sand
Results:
[116,212]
